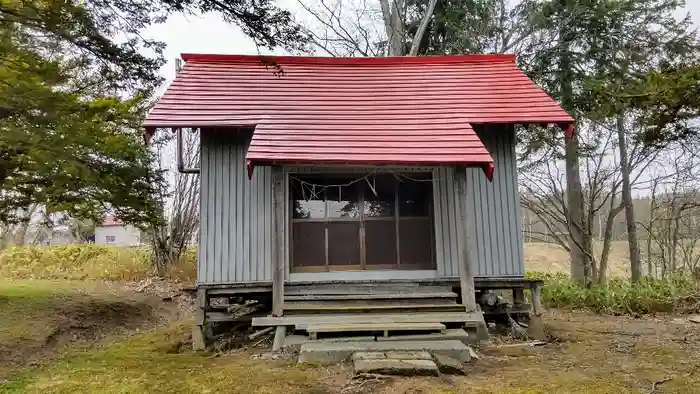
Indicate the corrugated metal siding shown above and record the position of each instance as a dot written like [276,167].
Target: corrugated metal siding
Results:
[495,239]
[236,213]
[236,222]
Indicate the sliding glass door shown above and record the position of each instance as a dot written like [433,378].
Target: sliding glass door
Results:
[361,221]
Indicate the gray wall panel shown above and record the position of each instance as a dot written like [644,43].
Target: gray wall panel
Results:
[236,213]
[495,239]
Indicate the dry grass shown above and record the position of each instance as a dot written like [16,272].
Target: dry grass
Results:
[79,262]
[90,261]
[552,258]
[593,354]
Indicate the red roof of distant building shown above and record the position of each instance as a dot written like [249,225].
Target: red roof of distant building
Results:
[111,221]
[389,110]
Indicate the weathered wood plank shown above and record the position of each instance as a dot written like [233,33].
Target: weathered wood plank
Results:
[383,288]
[466,272]
[369,308]
[303,321]
[277,240]
[300,304]
[221,292]
[380,326]
[380,296]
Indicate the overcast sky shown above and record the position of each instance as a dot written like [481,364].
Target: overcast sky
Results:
[210,34]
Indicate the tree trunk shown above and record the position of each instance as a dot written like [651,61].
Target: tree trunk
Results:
[607,241]
[650,228]
[635,259]
[415,46]
[574,195]
[19,237]
[393,26]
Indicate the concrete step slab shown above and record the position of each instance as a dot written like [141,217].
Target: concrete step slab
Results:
[397,367]
[336,352]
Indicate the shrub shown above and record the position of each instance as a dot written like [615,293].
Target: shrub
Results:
[619,296]
[86,261]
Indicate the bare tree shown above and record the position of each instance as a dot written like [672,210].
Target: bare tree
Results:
[627,202]
[365,27]
[171,237]
[543,180]
[673,227]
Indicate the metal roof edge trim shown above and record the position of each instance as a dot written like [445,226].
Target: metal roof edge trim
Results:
[487,167]
[325,60]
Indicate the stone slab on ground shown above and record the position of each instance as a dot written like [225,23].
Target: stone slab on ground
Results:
[397,367]
[457,334]
[336,352]
[449,365]
[409,355]
[361,356]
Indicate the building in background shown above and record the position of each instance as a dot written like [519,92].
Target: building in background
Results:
[114,232]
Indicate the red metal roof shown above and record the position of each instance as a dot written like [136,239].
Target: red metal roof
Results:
[390,110]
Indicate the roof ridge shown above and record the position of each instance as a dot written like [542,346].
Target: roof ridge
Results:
[318,60]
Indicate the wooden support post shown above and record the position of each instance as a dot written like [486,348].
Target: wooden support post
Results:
[278,342]
[537,300]
[199,340]
[536,327]
[466,273]
[277,241]
[518,296]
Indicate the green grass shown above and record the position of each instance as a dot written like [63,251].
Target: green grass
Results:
[23,307]
[620,296]
[148,363]
[38,317]
[87,262]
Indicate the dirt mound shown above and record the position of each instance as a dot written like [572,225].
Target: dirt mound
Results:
[95,318]
[76,321]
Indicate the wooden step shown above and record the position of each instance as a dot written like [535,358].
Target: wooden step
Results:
[301,322]
[373,296]
[384,327]
[341,308]
[370,303]
[370,288]
[371,299]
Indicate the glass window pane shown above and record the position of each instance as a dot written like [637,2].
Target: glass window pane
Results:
[307,197]
[343,197]
[379,193]
[415,195]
